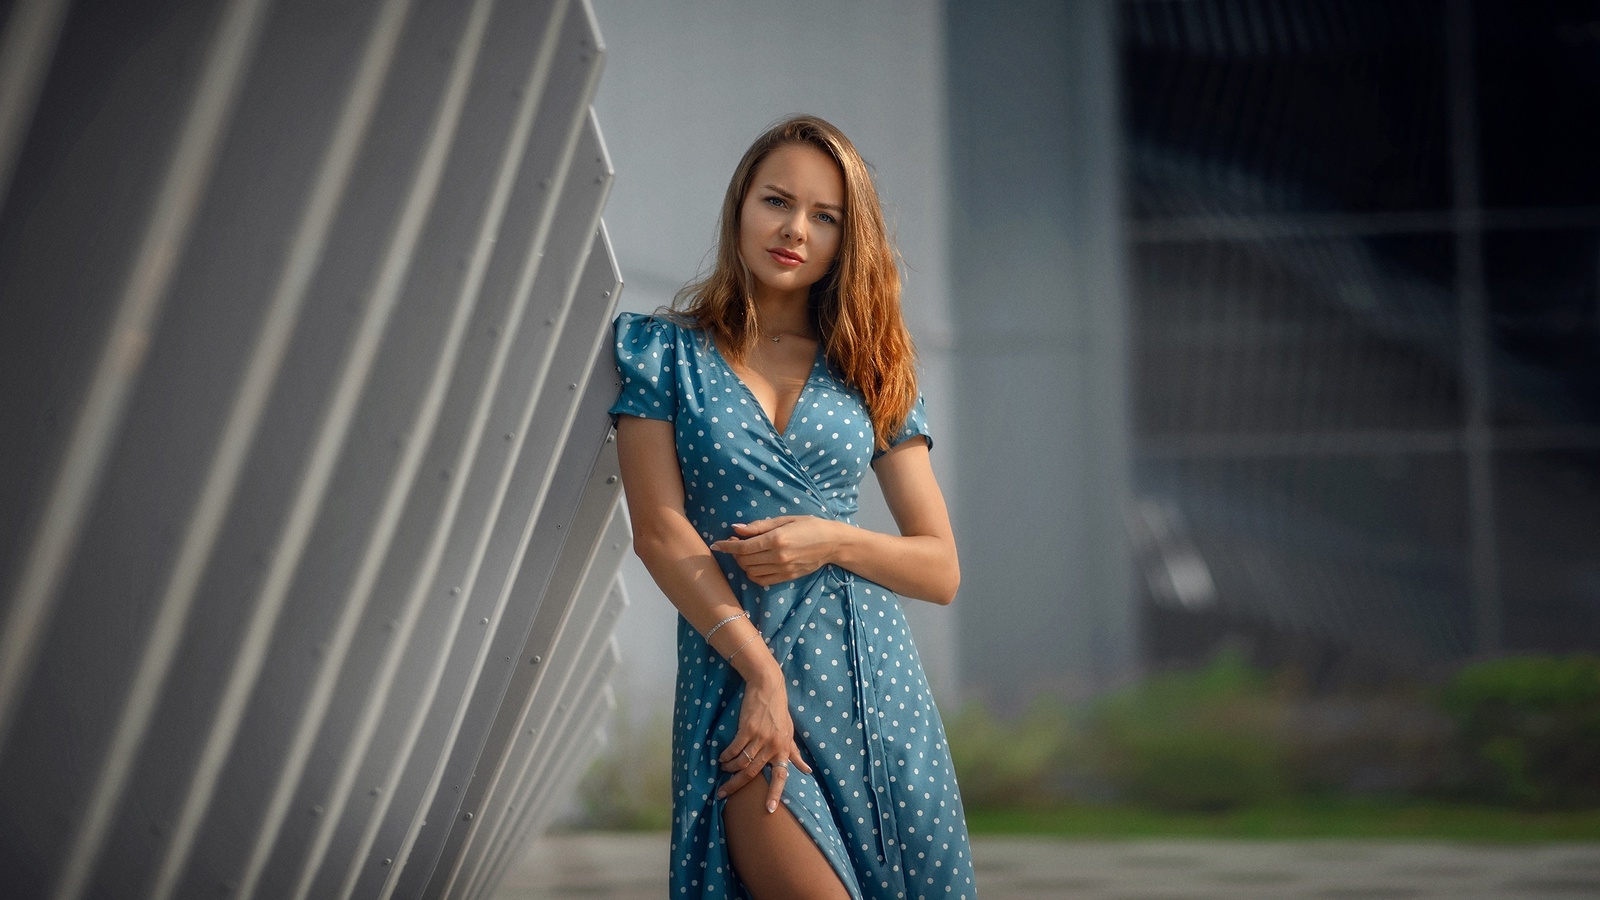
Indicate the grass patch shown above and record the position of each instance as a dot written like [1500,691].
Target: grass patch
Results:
[1304,819]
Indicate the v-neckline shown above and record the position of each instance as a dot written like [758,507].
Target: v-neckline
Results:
[772,424]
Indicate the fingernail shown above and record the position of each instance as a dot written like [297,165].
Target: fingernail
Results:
[721,794]
[772,806]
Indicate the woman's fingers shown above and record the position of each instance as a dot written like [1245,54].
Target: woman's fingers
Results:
[742,773]
[759,526]
[780,775]
[735,781]
[738,780]
[740,754]
[753,537]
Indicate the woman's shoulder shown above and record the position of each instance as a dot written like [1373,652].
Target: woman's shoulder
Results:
[663,335]
[662,323]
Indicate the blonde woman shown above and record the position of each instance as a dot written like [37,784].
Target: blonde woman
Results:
[809,759]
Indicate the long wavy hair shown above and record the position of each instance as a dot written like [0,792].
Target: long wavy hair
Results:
[855,306]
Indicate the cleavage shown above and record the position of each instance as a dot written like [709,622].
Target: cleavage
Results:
[776,382]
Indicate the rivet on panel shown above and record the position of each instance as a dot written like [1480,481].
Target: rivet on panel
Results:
[316,810]
[375,792]
[468,817]
[605,293]
[485,621]
[549,321]
[455,592]
[508,435]
[388,861]
[536,660]
[572,385]
[611,479]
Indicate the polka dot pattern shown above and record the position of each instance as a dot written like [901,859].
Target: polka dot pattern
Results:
[882,802]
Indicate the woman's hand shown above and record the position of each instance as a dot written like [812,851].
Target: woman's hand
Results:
[772,551]
[765,737]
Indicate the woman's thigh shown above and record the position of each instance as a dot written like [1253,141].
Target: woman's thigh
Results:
[772,854]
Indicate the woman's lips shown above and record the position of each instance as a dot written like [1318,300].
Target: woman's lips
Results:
[784,257]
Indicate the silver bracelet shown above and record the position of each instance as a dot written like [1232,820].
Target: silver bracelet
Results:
[724,622]
[742,646]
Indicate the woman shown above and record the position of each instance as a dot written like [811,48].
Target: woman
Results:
[809,760]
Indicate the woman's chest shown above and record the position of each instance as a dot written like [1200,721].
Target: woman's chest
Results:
[727,441]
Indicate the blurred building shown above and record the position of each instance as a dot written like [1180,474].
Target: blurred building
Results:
[1324,275]
[1363,276]
[1260,322]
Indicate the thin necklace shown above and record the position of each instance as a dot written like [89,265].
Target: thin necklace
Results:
[775,338]
[782,334]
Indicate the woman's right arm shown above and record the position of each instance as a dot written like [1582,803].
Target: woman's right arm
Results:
[683,567]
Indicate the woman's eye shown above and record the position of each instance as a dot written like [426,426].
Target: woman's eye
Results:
[826,218]
[775,201]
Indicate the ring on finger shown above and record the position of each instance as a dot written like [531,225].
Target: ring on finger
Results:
[783,763]
[748,756]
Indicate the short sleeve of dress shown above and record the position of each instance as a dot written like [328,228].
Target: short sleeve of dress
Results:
[646,349]
[916,424]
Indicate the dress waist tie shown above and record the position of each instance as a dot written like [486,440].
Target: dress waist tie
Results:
[886,828]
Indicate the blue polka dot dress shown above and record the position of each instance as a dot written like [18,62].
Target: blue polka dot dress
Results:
[882,803]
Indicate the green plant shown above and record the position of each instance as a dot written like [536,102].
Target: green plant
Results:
[1209,739]
[1530,728]
[1012,765]
[629,785]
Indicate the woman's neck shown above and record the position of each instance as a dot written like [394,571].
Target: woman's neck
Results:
[785,315]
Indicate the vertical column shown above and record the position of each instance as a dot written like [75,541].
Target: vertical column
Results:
[1040,357]
[1478,438]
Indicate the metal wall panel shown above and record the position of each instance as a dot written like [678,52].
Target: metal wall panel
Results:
[500,850]
[300,312]
[582,499]
[574,660]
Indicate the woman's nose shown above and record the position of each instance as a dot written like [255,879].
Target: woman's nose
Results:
[794,227]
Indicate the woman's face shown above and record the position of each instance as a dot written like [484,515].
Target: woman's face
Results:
[792,220]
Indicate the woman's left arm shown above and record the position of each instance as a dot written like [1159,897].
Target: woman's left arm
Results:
[920,562]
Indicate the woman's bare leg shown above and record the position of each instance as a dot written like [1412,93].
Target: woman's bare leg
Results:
[772,854]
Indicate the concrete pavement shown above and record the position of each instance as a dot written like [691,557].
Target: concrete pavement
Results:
[633,867]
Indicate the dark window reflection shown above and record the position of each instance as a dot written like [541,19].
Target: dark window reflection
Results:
[1549,528]
[1329,105]
[1544,303]
[1539,102]
[1296,335]
[1307,336]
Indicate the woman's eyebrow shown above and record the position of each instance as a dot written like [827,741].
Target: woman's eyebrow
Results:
[791,198]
